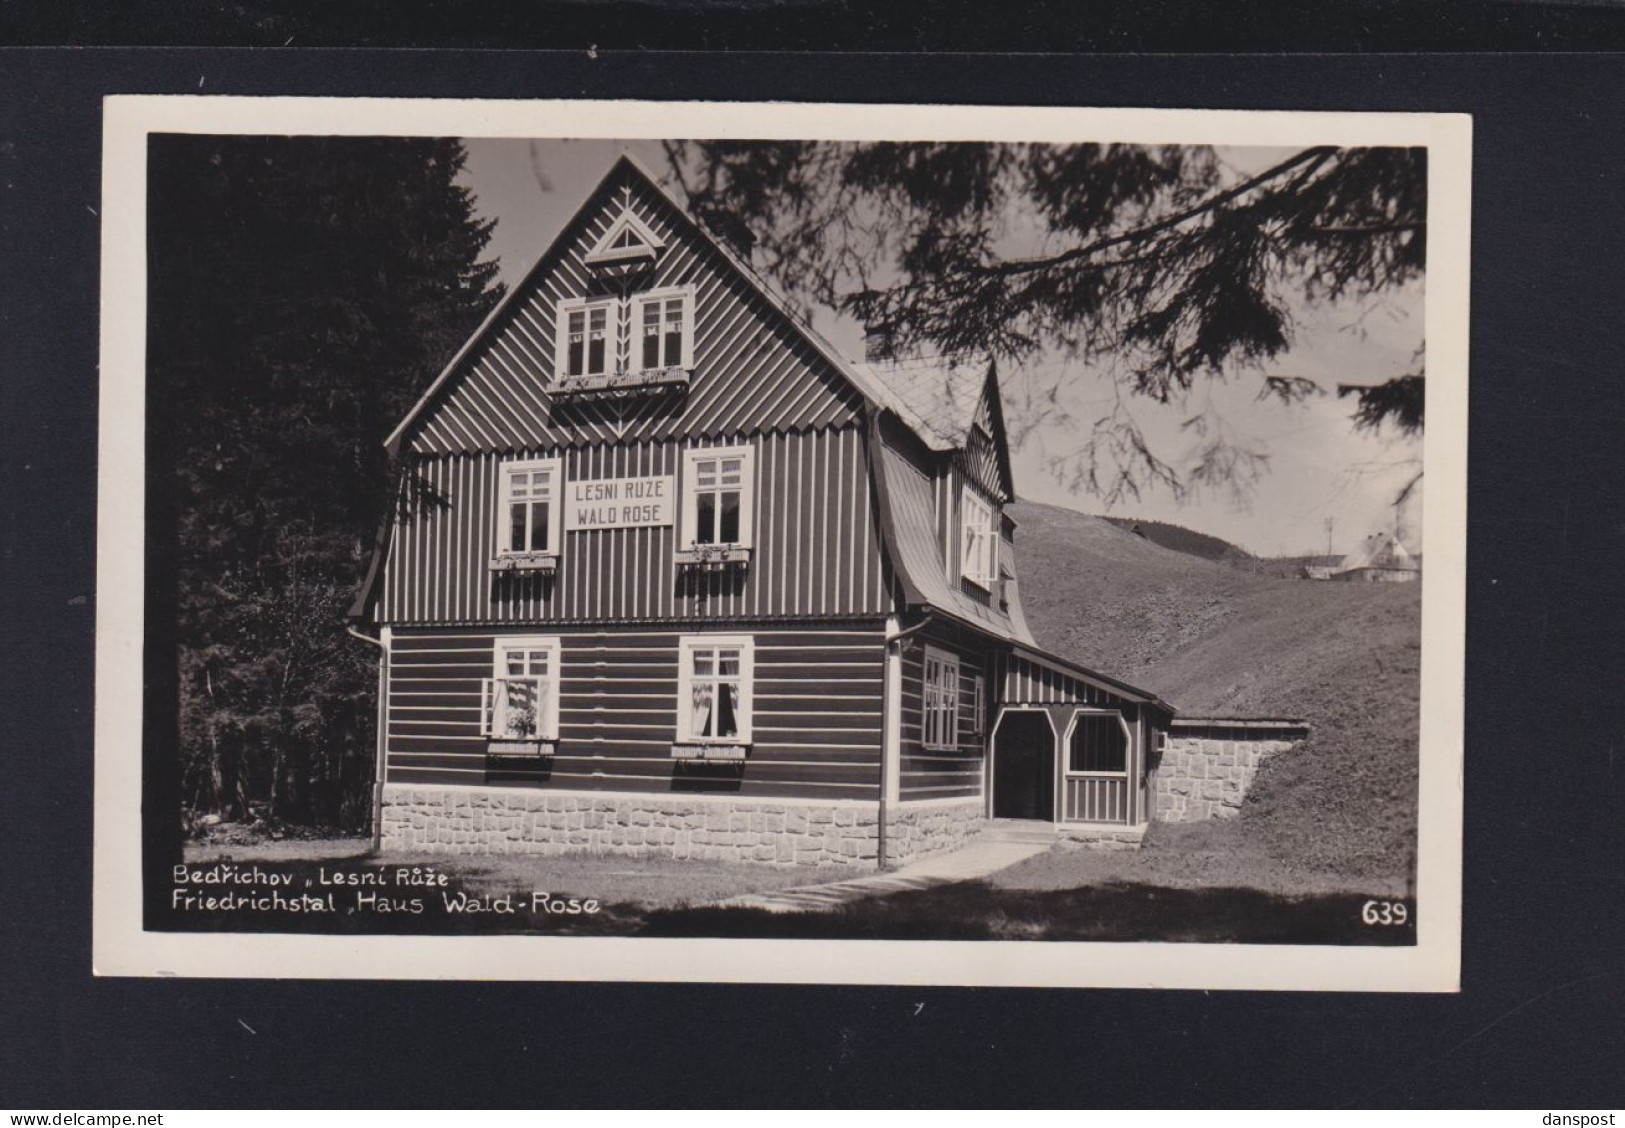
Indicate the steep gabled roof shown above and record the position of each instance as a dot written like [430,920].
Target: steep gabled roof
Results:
[909,525]
[944,400]
[868,386]
[938,397]
[1379,550]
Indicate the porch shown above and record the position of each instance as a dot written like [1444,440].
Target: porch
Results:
[1068,769]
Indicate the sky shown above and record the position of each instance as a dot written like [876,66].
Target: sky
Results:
[1319,467]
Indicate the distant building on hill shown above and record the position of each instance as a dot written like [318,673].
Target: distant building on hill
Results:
[1380,558]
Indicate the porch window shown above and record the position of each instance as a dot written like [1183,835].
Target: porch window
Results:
[978,704]
[1099,745]
[714,690]
[528,521]
[980,540]
[719,486]
[663,321]
[587,330]
[940,717]
[520,701]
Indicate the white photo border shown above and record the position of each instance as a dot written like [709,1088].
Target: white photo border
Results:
[122,947]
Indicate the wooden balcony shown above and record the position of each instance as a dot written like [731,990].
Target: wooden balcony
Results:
[621,383]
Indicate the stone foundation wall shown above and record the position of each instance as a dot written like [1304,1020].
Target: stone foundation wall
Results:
[443,820]
[497,821]
[918,830]
[1073,836]
[1205,771]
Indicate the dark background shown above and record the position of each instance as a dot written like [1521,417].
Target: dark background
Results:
[1538,1023]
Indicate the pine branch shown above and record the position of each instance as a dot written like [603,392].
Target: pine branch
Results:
[1028,265]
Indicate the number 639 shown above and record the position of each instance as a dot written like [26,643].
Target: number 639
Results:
[1384,912]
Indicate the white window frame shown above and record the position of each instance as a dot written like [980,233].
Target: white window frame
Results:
[555,509]
[547,727]
[1098,715]
[979,538]
[691,504]
[561,336]
[686,646]
[634,321]
[939,704]
[978,704]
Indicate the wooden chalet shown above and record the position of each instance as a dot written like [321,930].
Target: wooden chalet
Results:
[673,575]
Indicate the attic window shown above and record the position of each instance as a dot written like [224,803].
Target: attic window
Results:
[628,242]
[587,332]
[663,322]
[980,542]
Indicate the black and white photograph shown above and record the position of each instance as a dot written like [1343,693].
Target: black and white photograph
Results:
[995,536]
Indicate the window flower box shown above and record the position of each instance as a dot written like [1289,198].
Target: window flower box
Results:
[612,382]
[525,562]
[520,749]
[710,753]
[713,555]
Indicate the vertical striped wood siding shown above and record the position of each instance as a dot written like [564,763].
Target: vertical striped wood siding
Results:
[817,545]
[816,722]
[753,370]
[939,773]
[1088,799]
[1030,683]
[1095,800]
[979,461]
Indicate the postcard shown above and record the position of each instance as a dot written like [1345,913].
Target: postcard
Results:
[781,543]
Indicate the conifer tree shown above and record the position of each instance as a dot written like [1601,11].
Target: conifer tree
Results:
[302,293]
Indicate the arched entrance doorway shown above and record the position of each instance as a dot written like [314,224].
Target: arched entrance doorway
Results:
[1024,766]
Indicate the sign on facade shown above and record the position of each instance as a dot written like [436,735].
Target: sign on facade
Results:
[618,503]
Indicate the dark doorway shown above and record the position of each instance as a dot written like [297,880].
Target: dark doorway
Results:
[1024,768]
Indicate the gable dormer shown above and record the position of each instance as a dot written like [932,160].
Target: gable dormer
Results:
[628,246]
[633,322]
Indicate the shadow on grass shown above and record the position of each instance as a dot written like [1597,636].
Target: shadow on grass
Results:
[1119,911]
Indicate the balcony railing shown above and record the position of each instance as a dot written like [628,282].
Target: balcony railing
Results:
[1093,798]
[613,383]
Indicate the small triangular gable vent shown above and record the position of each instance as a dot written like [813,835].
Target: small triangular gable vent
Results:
[628,241]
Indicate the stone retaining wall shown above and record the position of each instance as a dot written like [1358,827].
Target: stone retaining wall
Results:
[1207,767]
[511,821]
[918,830]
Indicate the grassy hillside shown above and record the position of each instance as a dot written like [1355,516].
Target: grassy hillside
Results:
[1213,639]
[1180,539]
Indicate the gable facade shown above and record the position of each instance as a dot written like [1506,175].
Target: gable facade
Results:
[668,574]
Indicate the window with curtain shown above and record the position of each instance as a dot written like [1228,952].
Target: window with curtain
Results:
[521,700]
[665,330]
[587,332]
[715,690]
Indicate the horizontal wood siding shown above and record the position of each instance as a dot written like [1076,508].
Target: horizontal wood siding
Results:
[753,369]
[933,773]
[817,546]
[817,715]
